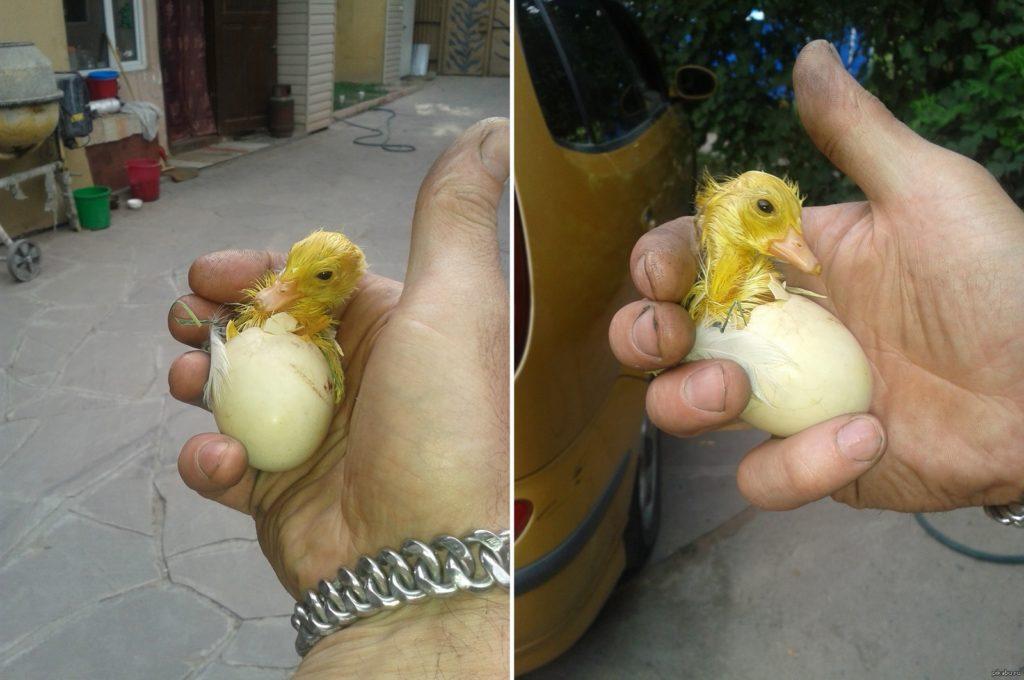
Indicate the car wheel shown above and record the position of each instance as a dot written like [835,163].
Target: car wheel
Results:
[645,508]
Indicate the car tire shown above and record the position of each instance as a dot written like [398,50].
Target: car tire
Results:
[645,507]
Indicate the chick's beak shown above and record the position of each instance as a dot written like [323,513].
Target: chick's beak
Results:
[277,296]
[794,250]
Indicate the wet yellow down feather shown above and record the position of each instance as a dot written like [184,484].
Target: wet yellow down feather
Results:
[739,220]
[321,272]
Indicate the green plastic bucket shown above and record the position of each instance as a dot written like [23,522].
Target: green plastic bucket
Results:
[93,204]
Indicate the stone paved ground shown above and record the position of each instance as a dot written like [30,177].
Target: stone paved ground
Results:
[109,566]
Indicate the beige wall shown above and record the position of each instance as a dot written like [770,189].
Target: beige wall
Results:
[148,84]
[305,58]
[38,21]
[359,41]
[41,22]
[393,41]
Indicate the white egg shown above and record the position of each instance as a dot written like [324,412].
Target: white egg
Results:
[134,203]
[271,390]
[805,367]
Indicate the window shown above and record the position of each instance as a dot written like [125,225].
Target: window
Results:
[590,87]
[90,22]
[550,80]
[633,39]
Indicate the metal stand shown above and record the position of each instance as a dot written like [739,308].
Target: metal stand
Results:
[23,256]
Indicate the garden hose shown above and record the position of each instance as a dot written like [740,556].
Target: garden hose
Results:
[385,144]
[956,546]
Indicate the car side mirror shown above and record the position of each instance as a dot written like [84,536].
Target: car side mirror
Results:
[694,83]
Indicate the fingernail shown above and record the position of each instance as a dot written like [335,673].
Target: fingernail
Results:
[209,457]
[834,53]
[494,154]
[860,440]
[705,389]
[640,273]
[645,333]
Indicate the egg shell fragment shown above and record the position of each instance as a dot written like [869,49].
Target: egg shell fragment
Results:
[804,361]
[275,397]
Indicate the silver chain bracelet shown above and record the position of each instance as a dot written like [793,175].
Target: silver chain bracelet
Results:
[1010,515]
[447,566]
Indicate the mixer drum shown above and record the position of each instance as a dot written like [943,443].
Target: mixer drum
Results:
[29,109]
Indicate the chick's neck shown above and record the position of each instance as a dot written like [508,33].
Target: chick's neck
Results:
[734,276]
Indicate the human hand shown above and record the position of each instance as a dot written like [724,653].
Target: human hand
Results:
[419,445]
[926,274]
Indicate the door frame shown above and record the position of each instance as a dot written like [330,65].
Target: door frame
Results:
[408,26]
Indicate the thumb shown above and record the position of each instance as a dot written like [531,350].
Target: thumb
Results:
[217,466]
[454,228]
[782,474]
[857,133]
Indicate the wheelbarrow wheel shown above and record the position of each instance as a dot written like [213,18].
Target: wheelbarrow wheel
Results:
[23,260]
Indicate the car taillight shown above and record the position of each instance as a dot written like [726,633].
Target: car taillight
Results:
[523,510]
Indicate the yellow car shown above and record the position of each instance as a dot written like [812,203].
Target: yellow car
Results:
[602,154]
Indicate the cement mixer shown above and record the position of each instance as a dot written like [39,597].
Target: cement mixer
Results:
[29,113]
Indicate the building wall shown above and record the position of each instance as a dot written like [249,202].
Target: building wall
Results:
[320,83]
[40,22]
[148,84]
[359,40]
[305,58]
[393,41]
[292,52]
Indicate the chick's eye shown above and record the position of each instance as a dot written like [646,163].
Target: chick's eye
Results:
[765,207]
[324,276]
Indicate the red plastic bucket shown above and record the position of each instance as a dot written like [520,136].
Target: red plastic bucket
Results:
[144,178]
[102,85]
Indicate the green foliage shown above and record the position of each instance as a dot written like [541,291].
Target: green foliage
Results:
[981,116]
[953,70]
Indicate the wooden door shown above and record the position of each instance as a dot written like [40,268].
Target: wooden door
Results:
[499,42]
[464,46]
[244,62]
[476,38]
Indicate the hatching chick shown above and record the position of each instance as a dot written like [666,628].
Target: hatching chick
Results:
[321,272]
[744,222]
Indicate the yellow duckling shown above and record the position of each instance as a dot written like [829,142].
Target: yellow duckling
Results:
[804,365]
[321,272]
[744,222]
[276,374]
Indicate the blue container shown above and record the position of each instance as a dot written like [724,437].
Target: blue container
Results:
[104,75]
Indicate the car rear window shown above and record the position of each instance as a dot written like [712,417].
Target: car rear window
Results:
[590,88]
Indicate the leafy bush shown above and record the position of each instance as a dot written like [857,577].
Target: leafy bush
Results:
[982,116]
[953,70]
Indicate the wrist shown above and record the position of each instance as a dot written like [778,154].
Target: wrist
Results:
[462,636]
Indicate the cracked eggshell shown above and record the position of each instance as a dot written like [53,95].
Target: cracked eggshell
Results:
[274,395]
[828,376]
[803,361]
